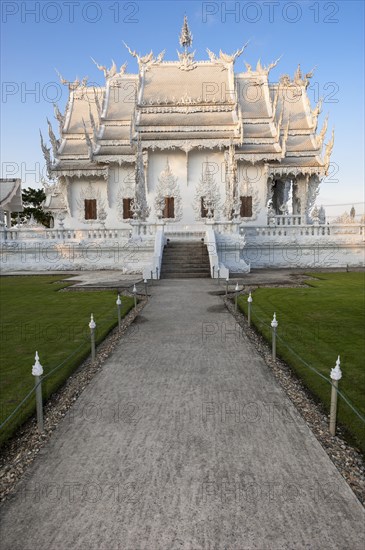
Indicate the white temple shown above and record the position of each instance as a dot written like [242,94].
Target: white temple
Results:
[191,149]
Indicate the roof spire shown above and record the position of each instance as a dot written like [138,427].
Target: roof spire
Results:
[186,38]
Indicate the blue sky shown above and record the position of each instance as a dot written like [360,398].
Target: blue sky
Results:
[38,37]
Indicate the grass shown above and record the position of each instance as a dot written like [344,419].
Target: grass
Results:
[319,323]
[35,316]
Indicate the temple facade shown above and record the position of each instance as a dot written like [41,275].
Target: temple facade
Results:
[184,141]
[189,148]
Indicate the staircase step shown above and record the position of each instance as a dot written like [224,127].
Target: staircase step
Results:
[183,260]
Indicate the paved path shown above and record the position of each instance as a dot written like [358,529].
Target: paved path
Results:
[183,441]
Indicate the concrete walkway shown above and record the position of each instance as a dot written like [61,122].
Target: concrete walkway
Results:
[183,441]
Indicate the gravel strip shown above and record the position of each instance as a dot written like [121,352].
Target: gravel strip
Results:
[20,451]
[347,459]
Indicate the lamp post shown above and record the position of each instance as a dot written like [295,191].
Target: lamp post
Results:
[249,301]
[236,297]
[218,274]
[151,277]
[227,281]
[274,325]
[37,371]
[119,303]
[135,295]
[92,326]
[156,273]
[336,375]
[145,288]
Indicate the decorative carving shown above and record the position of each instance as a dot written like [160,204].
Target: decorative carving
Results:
[247,190]
[312,194]
[207,189]
[232,200]
[89,192]
[125,191]
[187,62]
[345,218]
[168,187]
[322,215]
[139,204]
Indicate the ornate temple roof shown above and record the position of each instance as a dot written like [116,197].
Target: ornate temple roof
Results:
[188,104]
[11,195]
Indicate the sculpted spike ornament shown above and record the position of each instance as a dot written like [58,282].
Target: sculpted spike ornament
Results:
[224,58]
[88,141]
[97,102]
[47,156]
[108,73]
[93,125]
[322,133]
[75,84]
[316,112]
[58,116]
[186,58]
[146,60]
[328,152]
[186,38]
[54,141]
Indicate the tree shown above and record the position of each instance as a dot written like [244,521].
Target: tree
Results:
[32,203]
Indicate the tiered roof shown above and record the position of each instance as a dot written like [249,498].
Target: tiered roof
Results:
[189,104]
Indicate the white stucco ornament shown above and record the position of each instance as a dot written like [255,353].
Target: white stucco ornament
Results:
[249,299]
[336,373]
[92,323]
[37,369]
[274,322]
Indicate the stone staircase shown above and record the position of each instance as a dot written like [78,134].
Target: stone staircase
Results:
[185,260]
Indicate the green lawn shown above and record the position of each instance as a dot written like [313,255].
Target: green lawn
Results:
[36,317]
[319,323]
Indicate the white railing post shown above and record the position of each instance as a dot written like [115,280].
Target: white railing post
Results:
[92,326]
[249,301]
[119,303]
[135,295]
[336,375]
[145,287]
[236,297]
[227,281]
[37,371]
[274,325]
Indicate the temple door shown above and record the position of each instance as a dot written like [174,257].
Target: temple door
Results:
[169,209]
